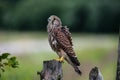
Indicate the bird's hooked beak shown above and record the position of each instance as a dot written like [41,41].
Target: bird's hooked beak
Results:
[54,20]
[51,18]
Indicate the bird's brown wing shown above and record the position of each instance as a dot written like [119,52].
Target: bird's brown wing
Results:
[65,30]
[65,44]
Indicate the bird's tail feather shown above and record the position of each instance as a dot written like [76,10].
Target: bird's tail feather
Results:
[74,60]
[77,70]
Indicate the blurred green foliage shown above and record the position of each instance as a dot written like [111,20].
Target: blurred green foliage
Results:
[79,15]
[5,60]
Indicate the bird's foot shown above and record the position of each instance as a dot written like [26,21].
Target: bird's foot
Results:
[60,59]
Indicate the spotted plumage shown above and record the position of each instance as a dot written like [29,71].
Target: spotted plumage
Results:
[61,42]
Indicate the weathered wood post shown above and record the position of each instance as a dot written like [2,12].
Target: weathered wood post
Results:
[95,74]
[118,60]
[52,70]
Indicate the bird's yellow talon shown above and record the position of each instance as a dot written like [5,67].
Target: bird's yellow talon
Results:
[60,59]
[57,59]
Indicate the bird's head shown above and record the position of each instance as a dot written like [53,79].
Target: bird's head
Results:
[54,21]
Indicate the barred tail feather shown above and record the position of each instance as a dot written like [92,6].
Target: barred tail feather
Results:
[75,63]
[74,60]
[77,70]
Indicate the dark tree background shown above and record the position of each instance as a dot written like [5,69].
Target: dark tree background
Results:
[101,16]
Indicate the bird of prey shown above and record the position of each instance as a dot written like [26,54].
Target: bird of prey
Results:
[60,41]
[95,74]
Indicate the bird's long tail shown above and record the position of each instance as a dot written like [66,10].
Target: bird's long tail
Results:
[77,70]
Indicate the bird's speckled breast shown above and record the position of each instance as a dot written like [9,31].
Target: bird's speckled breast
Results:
[53,42]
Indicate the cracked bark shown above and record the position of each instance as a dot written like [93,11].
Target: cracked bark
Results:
[52,70]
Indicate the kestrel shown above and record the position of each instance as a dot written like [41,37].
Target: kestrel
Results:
[61,42]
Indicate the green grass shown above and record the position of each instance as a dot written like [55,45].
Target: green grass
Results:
[102,56]
[30,64]
[28,67]
[94,55]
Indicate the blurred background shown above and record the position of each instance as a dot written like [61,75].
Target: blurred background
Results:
[94,25]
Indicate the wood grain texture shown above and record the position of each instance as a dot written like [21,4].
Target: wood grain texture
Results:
[52,70]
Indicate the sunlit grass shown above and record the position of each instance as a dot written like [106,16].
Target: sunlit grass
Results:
[94,55]
[30,64]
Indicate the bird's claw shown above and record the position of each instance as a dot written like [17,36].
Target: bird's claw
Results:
[60,59]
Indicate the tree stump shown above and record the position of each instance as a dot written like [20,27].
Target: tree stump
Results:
[52,70]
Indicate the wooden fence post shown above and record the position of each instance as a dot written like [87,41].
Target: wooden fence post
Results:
[95,74]
[52,70]
[118,60]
